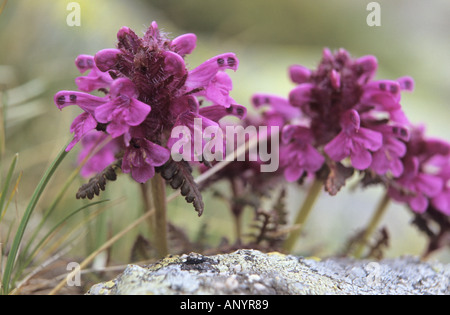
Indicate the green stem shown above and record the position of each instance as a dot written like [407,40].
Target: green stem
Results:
[303,213]
[159,201]
[373,223]
[147,205]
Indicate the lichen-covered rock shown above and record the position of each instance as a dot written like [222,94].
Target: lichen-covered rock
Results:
[252,272]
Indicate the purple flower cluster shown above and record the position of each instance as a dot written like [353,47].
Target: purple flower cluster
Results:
[426,179]
[338,113]
[145,91]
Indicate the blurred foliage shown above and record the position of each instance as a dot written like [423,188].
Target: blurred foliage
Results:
[38,49]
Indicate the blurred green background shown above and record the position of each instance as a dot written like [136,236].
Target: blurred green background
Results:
[38,49]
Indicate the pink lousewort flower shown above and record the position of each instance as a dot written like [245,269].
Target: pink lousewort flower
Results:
[423,179]
[347,112]
[148,90]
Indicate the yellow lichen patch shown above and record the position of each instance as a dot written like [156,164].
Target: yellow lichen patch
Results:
[168,260]
[109,284]
[315,258]
[277,253]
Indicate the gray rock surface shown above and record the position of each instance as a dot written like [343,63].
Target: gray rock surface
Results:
[252,272]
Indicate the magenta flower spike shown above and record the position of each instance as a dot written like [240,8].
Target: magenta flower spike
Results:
[345,111]
[148,91]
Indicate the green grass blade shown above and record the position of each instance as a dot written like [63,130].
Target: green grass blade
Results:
[26,216]
[2,126]
[41,242]
[7,182]
[63,190]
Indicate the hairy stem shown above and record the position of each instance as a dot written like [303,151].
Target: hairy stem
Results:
[159,201]
[303,213]
[373,223]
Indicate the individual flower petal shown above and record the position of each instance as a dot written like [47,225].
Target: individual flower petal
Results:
[186,103]
[293,172]
[442,201]
[277,103]
[429,185]
[366,67]
[184,44]
[218,90]
[299,74]
[335,78]
[360,157]
[419,203]
[195,124]
[298,155]
[406,83]
[85,101]
[202,75]
[80,126]
[141,157]
[122,111]
[121,114]
[106,59]
[174,63]
[84,63]
[382,95]
[339,148]
[301,95]
[217,112]
[419,185]
[370,139]
[96,79]
[388,157]
[101,159]
[125,87]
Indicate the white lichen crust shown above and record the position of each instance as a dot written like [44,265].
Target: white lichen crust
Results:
[252,272]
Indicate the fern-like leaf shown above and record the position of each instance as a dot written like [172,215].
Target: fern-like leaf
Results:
[98,182]
[179,175]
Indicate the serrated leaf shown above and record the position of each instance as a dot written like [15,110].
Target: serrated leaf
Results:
[179,176]
[98,182]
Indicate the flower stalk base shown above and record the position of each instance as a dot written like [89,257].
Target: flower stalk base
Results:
[159,201]
[371,227]
[303,213]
